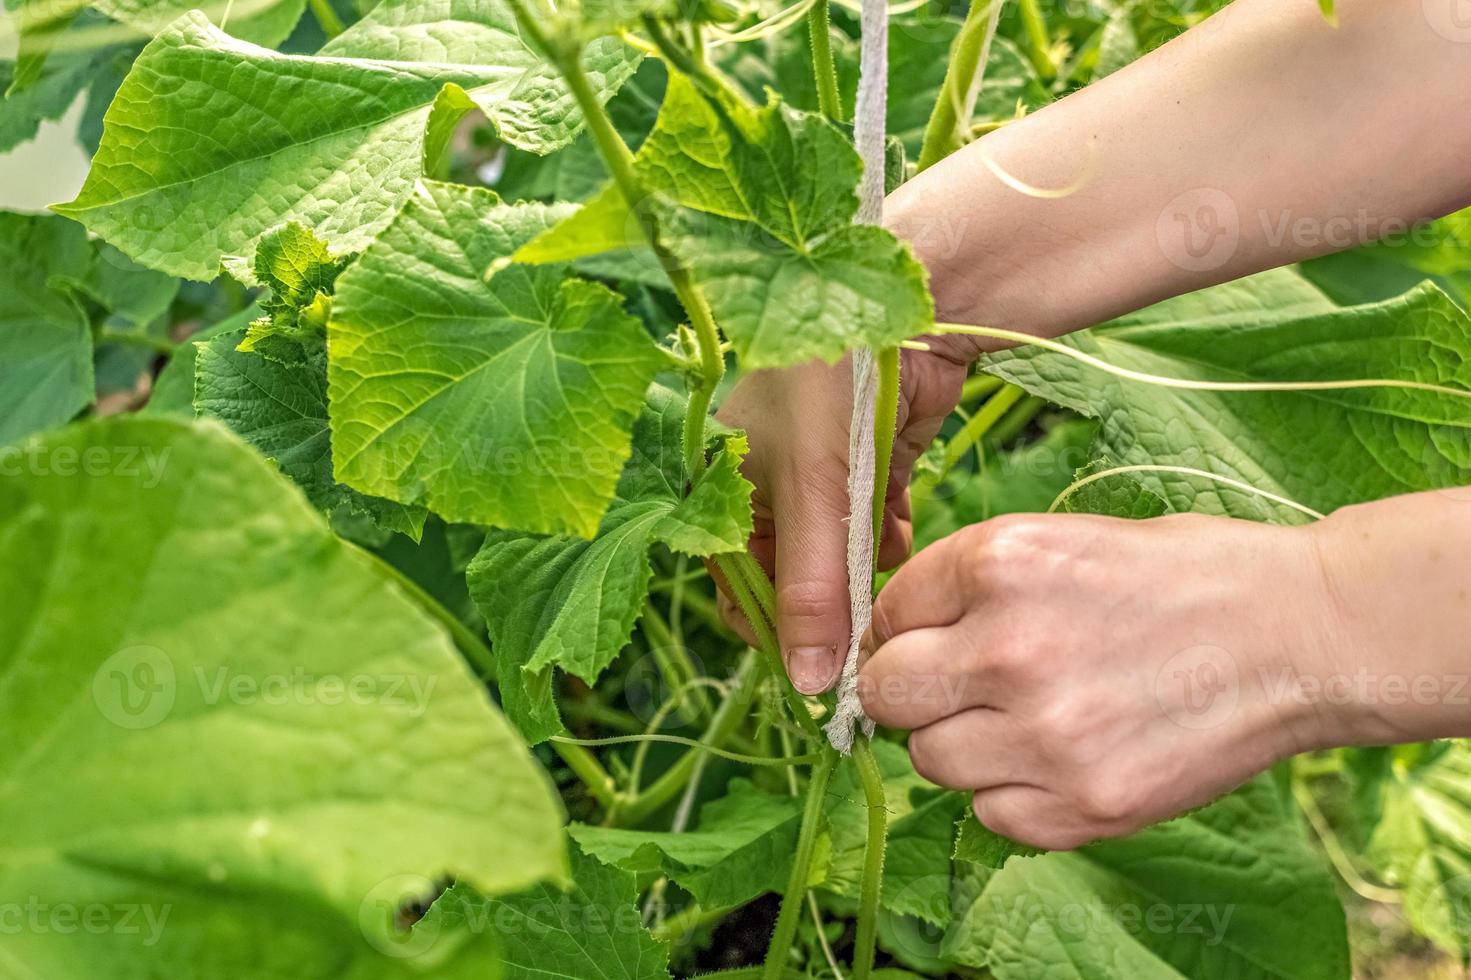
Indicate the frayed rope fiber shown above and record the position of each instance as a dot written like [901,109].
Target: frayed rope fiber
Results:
[868,134]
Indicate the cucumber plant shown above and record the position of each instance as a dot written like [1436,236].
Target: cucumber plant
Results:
[365,631]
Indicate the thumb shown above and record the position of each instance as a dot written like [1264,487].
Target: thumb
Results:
[812,581]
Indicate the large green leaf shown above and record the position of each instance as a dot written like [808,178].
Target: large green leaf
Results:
[1022,480]
[211,141]
[741,847]
[281,409]
[1231,891]
[591,930]
[1322,449]
[760,203]
[574,602]
[45,342]
[507,402]
[219,716]
[1439,251]
[1418,835]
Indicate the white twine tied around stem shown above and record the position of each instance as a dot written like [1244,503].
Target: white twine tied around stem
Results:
[868,135]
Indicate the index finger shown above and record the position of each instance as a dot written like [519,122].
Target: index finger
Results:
[928,590]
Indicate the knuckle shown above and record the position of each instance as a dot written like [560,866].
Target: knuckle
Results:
[1010,823]
[1004,552]
[882,620]
[807,601]
[923,757]
[1106,801]
[871,696]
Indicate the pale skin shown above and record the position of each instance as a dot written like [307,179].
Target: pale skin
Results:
[1045,662]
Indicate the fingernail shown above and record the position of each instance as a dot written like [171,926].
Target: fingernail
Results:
[811,668]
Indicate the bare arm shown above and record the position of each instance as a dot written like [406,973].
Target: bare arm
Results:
[1264,136]
[1259,138]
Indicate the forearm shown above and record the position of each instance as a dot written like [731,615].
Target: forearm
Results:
[1399,573]
[1262,137]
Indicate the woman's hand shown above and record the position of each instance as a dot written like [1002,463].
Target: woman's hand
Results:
[1088,676]
[797,421]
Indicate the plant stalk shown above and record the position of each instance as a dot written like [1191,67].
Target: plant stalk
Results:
[980,424]
[1039,42]
[819,29]
[885,425]
[620,163]
[327,18]
[796,892]
[586,767]
[727,718]
[757,600]
[674,660]
[873,858]
[949,124]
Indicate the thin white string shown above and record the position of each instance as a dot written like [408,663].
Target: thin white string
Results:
[868,134]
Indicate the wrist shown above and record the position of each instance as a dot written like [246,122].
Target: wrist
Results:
[1394,580]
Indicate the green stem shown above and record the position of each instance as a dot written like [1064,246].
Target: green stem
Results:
[601,714]
[978,386]
[946,131]
[819,29]
[712,367]
[873,858]
[796,892]
[690,63]
[474,648]
[159,345]
[756,598]
[760,586]
[728,717]
[619,160]
[979,424]
[586,767]
[687,920]
[331,24]
[1015,420]
[673,659]
[1039,42]
[885,425]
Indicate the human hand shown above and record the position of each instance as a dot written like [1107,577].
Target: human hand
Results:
[797,420]
[1088,676]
